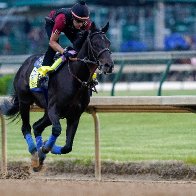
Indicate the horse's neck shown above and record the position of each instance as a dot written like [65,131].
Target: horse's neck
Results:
[81,69]
[86,52]
[83,51]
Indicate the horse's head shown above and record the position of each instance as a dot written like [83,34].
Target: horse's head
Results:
[98,47]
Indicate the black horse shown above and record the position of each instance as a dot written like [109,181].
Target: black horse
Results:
[69,94]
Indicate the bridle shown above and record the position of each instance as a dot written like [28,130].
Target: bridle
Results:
[92,51]
[95,61]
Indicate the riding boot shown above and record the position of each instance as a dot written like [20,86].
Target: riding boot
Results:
[43,72]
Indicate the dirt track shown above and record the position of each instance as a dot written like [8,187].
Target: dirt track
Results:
[173,179]
[93,188]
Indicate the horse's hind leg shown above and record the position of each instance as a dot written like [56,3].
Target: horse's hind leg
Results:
[72,126]
[26,130]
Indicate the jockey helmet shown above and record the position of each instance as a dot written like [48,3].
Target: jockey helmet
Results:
[80,11]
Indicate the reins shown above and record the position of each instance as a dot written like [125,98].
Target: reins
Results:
[87,61]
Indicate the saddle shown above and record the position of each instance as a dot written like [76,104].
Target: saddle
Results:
[39,74]
[34,76]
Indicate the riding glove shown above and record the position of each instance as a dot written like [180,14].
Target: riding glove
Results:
[69,52]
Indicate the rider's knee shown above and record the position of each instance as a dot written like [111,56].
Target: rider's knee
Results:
[56,130]
[66,149]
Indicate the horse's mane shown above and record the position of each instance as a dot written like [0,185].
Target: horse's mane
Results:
[78,44]
[81,40]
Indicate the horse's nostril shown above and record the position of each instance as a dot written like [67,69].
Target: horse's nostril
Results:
[107,65]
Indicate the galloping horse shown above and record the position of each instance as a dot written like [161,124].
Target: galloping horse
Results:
[69,94]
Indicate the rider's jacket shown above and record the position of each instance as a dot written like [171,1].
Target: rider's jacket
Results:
[63,22]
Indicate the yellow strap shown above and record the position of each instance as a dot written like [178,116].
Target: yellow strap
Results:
[94,76]
[56,63]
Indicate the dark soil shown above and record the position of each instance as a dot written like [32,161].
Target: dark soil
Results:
[142,170]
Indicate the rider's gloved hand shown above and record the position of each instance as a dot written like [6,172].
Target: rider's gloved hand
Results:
[69,52]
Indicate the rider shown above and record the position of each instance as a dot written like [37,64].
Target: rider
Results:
[74,22]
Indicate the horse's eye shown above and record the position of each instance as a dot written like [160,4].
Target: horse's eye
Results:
[96,44]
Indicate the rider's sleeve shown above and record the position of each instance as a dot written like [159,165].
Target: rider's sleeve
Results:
[60,22]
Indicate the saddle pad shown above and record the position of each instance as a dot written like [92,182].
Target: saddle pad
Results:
[33,78]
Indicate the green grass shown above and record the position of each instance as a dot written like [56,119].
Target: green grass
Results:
[124,137]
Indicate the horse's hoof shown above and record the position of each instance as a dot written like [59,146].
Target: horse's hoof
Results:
[37,169]
[35,161]
[41,156]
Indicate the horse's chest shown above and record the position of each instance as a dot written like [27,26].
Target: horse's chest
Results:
[73,109]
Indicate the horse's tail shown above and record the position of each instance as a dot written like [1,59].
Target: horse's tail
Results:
[10,107]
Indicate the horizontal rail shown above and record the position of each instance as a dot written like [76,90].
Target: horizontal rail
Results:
[154,68]
[13,59]
[129,68]
[154,55]
[169,104]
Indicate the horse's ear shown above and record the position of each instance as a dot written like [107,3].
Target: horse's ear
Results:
[105,29]
[93,26]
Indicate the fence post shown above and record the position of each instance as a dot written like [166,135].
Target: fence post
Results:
[97,145]
[4,147]
[118,75]
[164,76]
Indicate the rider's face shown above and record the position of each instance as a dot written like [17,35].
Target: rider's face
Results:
[77,23]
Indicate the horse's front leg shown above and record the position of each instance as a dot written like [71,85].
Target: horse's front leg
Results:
[38,128]
[26,130]
[56,129]
[72,126]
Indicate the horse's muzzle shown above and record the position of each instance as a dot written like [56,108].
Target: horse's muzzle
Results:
[108,68]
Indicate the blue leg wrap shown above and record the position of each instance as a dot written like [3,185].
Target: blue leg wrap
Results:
[51,141]
[30,143]
[56,149]
[39,142]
